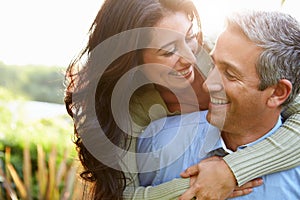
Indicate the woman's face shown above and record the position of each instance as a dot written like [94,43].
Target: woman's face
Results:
[170,58]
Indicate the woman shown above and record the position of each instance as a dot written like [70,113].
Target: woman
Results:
[112,79]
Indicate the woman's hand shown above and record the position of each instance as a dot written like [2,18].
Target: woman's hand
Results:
[213,179]
[246,188]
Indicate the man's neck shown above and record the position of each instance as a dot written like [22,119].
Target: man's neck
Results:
[233,140]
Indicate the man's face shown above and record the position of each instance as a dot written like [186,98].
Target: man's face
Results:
[233,84]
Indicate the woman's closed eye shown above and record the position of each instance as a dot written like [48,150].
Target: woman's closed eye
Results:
[169,53]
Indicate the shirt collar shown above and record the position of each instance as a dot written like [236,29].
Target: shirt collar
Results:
[215,140]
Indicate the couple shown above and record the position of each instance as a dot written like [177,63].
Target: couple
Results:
[123,42]
[249,85]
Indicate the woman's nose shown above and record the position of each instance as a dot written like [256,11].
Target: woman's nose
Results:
[187,55]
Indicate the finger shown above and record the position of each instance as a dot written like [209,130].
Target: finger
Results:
[242,192]
[194,170]
[191,171]
[254,183]
[188,195]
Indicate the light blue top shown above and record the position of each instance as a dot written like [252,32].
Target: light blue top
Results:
[169,145]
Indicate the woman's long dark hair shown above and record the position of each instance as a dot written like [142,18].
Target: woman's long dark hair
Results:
[114,17]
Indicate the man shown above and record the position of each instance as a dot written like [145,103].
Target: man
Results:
[256,73]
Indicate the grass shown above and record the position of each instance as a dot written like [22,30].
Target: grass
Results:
[38,160]
[49,181]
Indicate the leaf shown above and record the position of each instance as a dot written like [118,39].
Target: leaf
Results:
[27,169]
[17,180]
[41,172]
[52,191]
[11,193]
[62,169]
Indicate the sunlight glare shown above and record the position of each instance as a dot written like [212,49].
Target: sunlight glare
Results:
[52,32]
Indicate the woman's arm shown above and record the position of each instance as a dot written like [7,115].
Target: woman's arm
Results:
[279,152]
[140,104]
[133,190]
[169,190]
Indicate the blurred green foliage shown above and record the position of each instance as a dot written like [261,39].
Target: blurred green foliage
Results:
[37,83]
[17,130]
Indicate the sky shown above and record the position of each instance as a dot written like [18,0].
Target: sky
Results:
[52,32]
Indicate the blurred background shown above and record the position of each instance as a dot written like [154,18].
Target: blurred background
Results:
[38,39]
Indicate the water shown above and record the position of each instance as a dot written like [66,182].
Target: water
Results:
[35,110]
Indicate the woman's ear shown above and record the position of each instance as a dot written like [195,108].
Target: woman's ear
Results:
[281,92]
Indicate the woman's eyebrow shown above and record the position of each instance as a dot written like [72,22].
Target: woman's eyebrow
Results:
[173,42]
[165,46]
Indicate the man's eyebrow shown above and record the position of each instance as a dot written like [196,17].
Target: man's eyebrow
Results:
[227,64]
[231,66]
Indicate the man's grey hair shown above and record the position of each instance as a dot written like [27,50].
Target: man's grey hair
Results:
[279,36]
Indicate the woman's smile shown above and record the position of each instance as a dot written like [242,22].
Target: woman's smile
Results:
[184,73]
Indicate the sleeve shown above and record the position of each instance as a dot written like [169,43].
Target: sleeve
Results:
[169,190]
[278,152]
[146,160]
[139,117]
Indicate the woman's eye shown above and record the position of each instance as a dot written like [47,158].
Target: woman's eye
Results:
[170,53]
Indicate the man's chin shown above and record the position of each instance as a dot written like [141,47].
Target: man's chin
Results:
[216,120]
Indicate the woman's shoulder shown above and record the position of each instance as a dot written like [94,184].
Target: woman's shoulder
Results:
[145,91]
[145,97]
[146,105]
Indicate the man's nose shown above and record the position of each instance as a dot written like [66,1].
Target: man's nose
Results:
[213,82]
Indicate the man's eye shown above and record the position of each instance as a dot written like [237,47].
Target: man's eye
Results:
[230,76]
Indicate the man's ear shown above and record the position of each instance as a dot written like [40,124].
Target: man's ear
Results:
[281,92]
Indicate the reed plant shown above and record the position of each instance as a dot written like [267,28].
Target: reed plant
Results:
[51,180]
[38,159]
